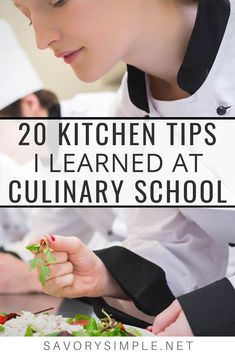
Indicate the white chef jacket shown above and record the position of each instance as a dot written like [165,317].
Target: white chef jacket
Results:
[214,96]
[86,105]
[191,245]
[188,244]
[190,257]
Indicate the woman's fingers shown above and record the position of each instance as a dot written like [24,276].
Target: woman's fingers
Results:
[60,269]
[55,286]
[60,257]
[167,317]
[70,245]
[179,328]
[77,271]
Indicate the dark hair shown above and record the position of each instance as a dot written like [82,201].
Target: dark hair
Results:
[47,99]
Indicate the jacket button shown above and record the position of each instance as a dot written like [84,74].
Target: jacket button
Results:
[221,110]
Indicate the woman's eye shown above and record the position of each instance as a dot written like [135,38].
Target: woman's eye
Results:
[57,3]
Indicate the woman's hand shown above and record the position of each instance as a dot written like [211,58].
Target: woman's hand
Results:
[78,272]
[171,322]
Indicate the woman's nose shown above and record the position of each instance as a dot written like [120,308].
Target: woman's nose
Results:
[45,36]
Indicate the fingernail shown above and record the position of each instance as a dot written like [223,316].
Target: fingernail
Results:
[52,237]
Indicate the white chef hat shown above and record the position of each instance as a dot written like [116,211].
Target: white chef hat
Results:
[17,75]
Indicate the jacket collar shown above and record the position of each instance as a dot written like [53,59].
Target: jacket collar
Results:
[210,25]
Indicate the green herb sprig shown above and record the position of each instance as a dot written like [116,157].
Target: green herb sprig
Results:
[39,263]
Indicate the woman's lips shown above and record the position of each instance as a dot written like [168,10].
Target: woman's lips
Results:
[69,57]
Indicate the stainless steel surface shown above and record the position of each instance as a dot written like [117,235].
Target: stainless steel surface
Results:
[37,302]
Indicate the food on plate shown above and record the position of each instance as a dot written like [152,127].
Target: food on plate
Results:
[39,262]
[43,324]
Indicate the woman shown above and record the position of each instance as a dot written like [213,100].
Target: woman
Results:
[177,51]
[180,63]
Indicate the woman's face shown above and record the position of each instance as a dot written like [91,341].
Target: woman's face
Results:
[90,35]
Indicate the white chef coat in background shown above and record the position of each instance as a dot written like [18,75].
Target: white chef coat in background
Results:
[14,224]
[86,105]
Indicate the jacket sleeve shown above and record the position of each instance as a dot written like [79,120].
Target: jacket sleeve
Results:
[218,223]
[165,256]
[3,251]
[142,281]
[210,310]
[189,257]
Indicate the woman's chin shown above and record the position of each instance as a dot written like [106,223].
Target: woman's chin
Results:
[87,77]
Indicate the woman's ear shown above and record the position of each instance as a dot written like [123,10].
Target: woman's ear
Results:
[31,107]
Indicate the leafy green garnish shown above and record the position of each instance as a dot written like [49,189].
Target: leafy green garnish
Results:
[53,334]
[29,332]
[34,248]
[92,326]
[44,273]
[2,329]
[3,313]
[70,321]
[80,317]
[39,263]
[49,256]
[80,333]
[34,264]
